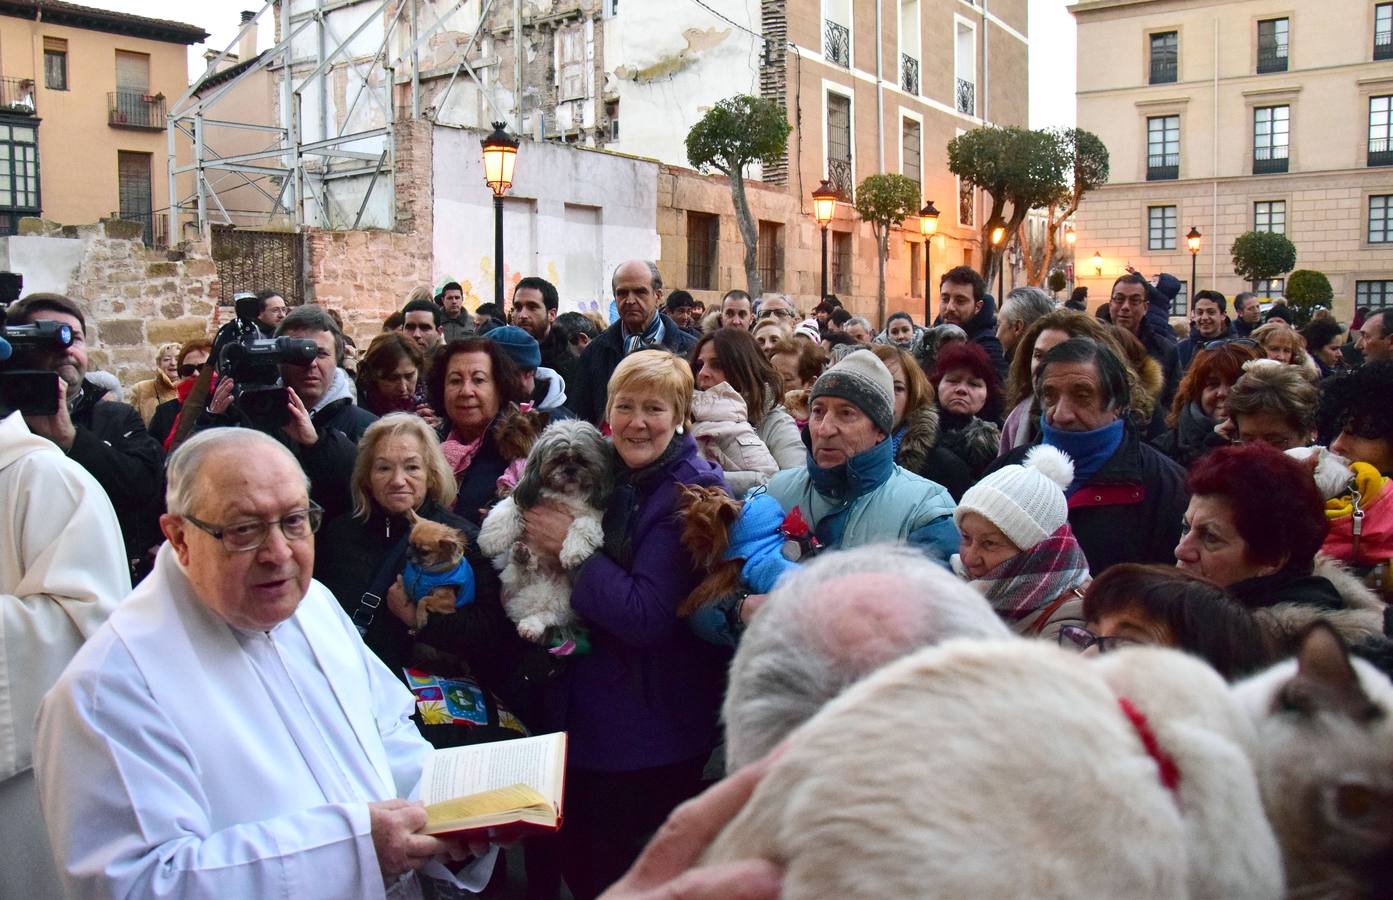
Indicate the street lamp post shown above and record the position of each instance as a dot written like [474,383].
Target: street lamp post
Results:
[998,235]
[500,152]
[1098,263]
[824,208]
[1193,241]
[928,224]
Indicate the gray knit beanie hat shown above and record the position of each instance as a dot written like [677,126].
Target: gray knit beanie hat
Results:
[862,380]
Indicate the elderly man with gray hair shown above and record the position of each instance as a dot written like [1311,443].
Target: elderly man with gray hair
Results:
[226,733]
[1022,307]
[831,623]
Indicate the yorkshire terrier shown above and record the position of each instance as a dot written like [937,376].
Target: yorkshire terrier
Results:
[738,543]
[437,577]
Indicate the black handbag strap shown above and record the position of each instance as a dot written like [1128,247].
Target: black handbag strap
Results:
[372,597]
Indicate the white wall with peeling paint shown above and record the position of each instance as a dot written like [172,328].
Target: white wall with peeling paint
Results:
[572,215]
[668,63]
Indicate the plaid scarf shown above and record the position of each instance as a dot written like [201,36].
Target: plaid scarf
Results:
[1034,578]
[651,337]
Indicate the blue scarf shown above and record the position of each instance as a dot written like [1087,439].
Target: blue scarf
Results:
[651,337]
[1088,449]
[859,475]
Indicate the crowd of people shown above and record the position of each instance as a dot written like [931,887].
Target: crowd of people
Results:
[209,645]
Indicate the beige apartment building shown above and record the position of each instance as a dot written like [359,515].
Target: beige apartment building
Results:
[82,112]
[1236,116]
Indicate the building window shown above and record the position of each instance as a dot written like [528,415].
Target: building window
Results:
[1381,219]
[1180,306]
[910,152]
[839,170]
[1273,37]
[1383,31]
[133,185]
[1275,288]
[836,32]
[1270,215]
[1373,294]
[703,241]
[1380,131]
[1162,148]
[916,268]
[1271,133]
[612,113]
[771,255]
[1160,228]
[55,64]
[1165,57]
[841,261]
[611,8]
[967,205]
[965,68]
[19,175]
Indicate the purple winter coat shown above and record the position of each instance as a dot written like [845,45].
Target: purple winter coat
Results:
[649,691]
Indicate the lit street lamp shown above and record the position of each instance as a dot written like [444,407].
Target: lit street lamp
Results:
[500,152]
[998,235]
[1098,263]
[1070,236]
[1193,241]
[928,224]
[824,208]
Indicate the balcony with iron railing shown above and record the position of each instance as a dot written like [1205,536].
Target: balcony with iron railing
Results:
[17,96]
[966,97]
[839,174]
[135,109]
[909,74]
[1272,58]
[1163,167]
[1383,44]
[836,40]
[1380,152]
[1269,160]
[1164,70]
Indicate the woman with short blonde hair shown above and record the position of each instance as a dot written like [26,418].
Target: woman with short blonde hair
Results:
[657,373]
[163,387]
[1281,342]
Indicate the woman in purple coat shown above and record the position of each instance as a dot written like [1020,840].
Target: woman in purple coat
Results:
[641,707]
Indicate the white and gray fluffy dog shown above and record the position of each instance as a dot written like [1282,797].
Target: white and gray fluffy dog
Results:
[568,467]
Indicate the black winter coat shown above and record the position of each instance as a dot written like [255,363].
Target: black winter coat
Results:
[478,486]
[1130,510]
[591,389]
[111,443]
[981,330]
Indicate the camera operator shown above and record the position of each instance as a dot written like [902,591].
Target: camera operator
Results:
[106,438]
[325,424]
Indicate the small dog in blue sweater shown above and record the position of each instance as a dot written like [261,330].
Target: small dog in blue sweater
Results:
[437,577]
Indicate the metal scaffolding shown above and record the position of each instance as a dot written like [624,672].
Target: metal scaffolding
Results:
[323,149]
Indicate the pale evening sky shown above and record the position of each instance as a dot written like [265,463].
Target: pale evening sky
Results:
[1052,67]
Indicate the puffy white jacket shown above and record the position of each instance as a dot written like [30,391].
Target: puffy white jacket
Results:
[723,432]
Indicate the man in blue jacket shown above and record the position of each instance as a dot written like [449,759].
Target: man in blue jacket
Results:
[851,493]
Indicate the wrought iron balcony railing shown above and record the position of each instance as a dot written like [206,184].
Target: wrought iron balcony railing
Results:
[135,109]
[1381,152]
[909,74]
[1163,167]
[1383,44]
[17,96]
[1269,160]
[1272,58]
[839,174]
[1164,70]
[836,39]
[967,97]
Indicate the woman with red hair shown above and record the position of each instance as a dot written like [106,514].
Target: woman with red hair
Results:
[969,404]
[1201,401]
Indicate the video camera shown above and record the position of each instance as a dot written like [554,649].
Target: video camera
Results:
[33,392]
[252,362]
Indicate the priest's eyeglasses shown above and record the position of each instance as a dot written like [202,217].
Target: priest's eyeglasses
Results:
[242,537]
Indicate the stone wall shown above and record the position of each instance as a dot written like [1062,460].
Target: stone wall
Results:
[366,275]
[133,298]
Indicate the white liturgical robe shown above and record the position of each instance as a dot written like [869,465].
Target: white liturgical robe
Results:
[181,757]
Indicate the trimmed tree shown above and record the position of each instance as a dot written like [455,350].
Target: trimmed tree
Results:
[1014,166]
[734,134]
[1260,255]
[1306,290]
[1085,159]
[885,201]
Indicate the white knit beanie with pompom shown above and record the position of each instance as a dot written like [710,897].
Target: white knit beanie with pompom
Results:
[1027,501]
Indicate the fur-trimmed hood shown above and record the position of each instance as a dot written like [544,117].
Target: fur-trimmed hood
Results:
[1152,380]
[1360,620]
[919,438]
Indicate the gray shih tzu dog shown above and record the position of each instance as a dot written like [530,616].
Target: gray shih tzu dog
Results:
[568,467]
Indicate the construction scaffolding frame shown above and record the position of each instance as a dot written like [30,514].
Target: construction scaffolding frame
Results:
[297,170]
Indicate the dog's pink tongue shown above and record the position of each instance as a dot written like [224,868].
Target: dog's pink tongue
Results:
[565,648]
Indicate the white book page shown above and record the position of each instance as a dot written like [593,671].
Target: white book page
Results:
[461,771]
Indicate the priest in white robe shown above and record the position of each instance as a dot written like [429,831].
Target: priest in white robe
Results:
[226,733]
[62,572]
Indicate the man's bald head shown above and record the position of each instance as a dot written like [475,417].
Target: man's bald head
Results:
[833,622]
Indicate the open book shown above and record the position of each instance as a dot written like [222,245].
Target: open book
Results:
[499,791]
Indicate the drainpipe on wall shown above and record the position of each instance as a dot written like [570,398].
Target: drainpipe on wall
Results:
[986,67]
[879,95]
[1214,175]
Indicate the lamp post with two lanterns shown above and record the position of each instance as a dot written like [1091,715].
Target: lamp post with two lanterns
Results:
[500,153]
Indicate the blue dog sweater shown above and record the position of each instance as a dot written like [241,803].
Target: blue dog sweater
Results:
[419,582]
[756,538]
